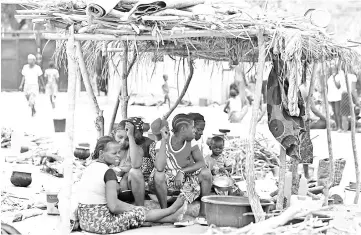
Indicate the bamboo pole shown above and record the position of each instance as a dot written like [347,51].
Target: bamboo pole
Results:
[124,88]
[99,122]
[185,88]
[68,161]
[329,140]
[353,140]
[281,181]
[252,196]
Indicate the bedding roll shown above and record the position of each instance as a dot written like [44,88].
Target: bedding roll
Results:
[99,8]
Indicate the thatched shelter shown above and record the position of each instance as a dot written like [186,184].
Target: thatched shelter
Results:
[211,30]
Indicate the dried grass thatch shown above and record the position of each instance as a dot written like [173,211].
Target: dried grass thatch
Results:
[213,30]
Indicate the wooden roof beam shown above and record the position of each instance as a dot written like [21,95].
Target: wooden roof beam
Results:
[167,35]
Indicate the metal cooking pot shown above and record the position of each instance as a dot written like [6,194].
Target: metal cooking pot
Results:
[223,183]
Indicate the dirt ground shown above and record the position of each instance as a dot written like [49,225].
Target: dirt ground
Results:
[15,113]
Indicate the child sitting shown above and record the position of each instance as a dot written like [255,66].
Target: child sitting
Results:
[216,161]
[220,165]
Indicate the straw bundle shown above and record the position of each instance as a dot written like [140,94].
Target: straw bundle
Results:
[213,30]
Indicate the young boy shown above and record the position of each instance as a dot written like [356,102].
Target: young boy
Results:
[165,89]
[216,161]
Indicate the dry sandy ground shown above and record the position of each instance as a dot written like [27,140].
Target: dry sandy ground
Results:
[15,113]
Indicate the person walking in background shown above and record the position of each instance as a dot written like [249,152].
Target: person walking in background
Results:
[235,107]
[345,109]
[334,94]
[52,76]
[32,73]
[165,88]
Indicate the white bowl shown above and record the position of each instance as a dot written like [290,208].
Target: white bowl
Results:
[11,159]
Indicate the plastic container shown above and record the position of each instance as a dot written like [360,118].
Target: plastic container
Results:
[306,202]
[52,202]
[203,102]
[230,211]
[16,141]
[288,187]
[59,125]
[303,187]
[296,199]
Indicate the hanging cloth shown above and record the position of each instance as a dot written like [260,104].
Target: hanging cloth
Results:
[287,129]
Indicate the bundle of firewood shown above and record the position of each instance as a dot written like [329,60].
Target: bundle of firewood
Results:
[265,158]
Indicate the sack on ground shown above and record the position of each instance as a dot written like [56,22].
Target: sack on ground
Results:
[324,172]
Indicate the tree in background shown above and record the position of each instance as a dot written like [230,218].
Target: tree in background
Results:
[8,20]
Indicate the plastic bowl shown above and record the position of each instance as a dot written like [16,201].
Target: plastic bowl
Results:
[228,211]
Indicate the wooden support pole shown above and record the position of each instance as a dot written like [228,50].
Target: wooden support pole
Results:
[252,196]
[353,140]
[78,83]
[166,35]
[296,162]
[185,88]
[281,181]
[123,92]
[329,140]
[311,89]
[99,122]
[68,160]
[295,176]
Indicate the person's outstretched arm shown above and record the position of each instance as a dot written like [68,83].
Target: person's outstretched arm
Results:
[114,204]
[226,107]
[23,71]
[161,157]
[136,153]
[22,83]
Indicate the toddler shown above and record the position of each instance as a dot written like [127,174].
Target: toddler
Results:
[217,162]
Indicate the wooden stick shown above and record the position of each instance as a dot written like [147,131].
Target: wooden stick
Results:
[281,181]
[173,12]
[252,196]
[329,140]
[115,31]
[185,88]
[175,4]
[68,161]
[93,100]
[353,139]
[271,223]
[166,35]
[124,95]
[295,176]
[128,70]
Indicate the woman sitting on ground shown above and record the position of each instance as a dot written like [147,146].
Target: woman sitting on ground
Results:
[99,209]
